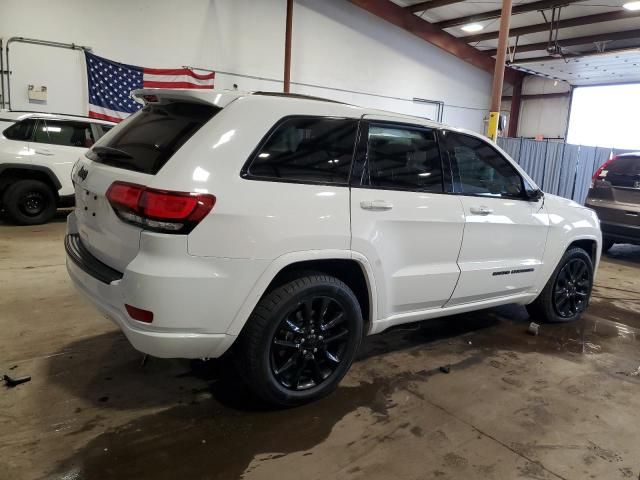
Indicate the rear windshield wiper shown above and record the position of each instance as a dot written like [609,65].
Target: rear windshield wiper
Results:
[111,152]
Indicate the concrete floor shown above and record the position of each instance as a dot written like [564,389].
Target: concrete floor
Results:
[562,405]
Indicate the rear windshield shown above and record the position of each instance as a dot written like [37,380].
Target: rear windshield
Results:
[624,171]
[149,139]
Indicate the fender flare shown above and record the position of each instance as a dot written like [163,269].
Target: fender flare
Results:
[34,168]
[553,262]
[287,259]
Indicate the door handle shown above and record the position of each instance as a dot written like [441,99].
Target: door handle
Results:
[376,205]
[43,151]
[482,210]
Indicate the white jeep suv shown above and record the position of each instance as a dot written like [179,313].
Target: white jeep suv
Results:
[37,153]
[290,227]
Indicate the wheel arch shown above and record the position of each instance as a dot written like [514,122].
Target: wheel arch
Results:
[589,245]
[354,270]
[11,172]
[590,242]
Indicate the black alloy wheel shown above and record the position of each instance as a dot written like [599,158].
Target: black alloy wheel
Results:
[300,339]
[567,292]
[571,290]
[309,343]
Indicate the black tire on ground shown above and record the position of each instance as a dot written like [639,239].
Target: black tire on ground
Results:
[29,202]
[300,340]
[566,295]
[606,245]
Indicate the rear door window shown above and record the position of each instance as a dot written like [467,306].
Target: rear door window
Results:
[22,131]
[150,138]
[403,157]
[307,149]
[101,129]
[68,133]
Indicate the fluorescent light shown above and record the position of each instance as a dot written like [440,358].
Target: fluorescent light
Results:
[632,6]
[472,27]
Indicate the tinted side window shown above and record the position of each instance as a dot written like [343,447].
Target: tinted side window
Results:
[69,133]
[20,131]
[102,129]
[308,149]
[403,157]
[480,169]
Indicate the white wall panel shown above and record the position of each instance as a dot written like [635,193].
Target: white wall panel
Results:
[543,116]
[335,45]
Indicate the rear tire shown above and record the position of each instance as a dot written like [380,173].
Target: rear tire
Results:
[300,340]
[29,202]
[606,245]
[566,295]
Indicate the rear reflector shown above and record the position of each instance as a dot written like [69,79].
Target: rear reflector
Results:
[139,314]
[159,210]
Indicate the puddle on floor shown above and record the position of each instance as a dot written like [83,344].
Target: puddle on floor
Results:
[187,441]
[223,429]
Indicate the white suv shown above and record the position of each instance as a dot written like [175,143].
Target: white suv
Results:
[292,227]
[37,152]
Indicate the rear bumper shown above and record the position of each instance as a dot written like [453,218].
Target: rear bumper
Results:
[620,233]
[107,299]
[193,299]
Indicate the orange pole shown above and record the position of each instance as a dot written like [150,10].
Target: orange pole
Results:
[498,73]
[287,47]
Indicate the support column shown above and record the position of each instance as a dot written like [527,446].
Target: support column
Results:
[498,74]
[514,114]
[287,47]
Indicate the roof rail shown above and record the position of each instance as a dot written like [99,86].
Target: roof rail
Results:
[52,113]
[296,95]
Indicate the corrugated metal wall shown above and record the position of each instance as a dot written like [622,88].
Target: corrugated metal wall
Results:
[558,168]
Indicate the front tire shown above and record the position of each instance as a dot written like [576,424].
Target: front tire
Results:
[606,245]
[29,202]
[300,340]
[566,295]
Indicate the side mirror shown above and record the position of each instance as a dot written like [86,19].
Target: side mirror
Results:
[534,195]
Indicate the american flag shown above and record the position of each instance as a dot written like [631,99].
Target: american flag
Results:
[110,85]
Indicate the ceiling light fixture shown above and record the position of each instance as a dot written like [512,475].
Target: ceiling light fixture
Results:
[632,6]
[476,27]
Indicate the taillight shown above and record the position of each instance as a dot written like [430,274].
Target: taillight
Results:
[601,169]
[159,210]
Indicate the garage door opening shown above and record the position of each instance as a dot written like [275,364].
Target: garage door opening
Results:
[606,116]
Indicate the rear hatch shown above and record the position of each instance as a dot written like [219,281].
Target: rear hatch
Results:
[616,191]
[132,153]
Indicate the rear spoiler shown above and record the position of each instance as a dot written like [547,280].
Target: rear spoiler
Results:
[219,98]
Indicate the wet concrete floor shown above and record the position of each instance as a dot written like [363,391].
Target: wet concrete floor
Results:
[561,405]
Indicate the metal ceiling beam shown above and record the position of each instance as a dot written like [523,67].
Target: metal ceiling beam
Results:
[570,42]
[585,54]
[406,20]
[422,6]
[518,9]
[544,27]
[539,96]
